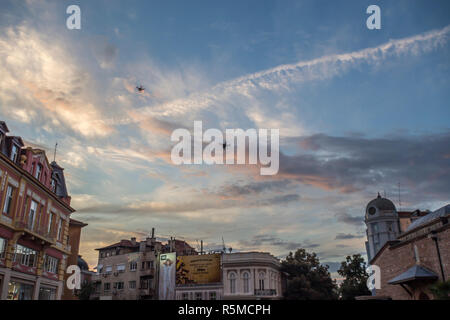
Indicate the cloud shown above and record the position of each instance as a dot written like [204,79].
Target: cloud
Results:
[48,85]
[351,164]
[344,236]
[348,219]
[246,88]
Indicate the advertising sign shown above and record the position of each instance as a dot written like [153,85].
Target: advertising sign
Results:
[199,269]
[167,268]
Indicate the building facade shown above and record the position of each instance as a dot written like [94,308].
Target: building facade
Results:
[127,270]
[34,222]
[251,275]
[416,258]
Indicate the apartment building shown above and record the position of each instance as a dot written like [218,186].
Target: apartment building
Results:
[34,222]
[127,270]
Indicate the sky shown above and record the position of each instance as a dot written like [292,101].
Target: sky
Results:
[359,112]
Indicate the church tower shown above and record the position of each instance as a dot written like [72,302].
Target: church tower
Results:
[382,224]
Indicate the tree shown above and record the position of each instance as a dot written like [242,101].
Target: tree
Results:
[441,290]
[85,291]
[307,279]
[355,282]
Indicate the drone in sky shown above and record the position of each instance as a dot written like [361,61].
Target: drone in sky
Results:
[140,88]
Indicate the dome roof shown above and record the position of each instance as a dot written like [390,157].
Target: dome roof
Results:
[82,264]
[381,204]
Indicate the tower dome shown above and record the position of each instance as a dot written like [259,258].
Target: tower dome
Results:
[380,206]
[382,224]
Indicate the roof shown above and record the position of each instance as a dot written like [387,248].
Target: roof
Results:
[442,212]
[77,223]
[414,273]
[381,203]
[122,243]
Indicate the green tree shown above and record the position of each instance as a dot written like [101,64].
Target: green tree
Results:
[85,291]
[353,269]
[441,290]
[307,279]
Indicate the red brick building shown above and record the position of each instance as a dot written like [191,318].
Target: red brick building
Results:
[34,222]
[418,258]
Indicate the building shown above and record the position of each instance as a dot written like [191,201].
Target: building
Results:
[244,276]
[74,258]
[34,222]
[412,249]
[127,270]
[251,275]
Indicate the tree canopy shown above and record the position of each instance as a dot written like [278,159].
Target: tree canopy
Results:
[353,269]
[307,279]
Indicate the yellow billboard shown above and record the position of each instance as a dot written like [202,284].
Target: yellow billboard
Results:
[200,269]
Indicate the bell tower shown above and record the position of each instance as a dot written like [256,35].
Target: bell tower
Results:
[382,224]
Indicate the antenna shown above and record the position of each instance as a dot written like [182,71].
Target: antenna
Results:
[223,243]
[399,200]
[54,153]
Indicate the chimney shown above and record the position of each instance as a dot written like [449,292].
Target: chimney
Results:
[153,233]
[133,241]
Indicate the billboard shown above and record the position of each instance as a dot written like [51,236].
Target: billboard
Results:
[167,270]
[199,269]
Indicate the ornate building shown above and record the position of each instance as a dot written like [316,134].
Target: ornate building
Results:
[34,222]
[411,248]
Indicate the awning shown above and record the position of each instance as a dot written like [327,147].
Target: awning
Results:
[414,273]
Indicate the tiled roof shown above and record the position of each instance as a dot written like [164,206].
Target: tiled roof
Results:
[442,212]
[414,273]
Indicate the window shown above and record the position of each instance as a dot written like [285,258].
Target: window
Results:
[50,222]
[185,296]
[32,214]
[25,256]
[120,268]
[14,152]
[212,295]
[133,266]
[246,278]
[232,278]
[9,200]
[59,235]
[390,226]
[3,243]
[132,284]
[149,264]
[106,286]
[118,285]
[198,296]
[51,264]
[53,185]
[375,228]
[261,280]
[38,172]
[19,291]
[47,293]
[108,269]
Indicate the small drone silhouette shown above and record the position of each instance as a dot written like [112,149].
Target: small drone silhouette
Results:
[140,88]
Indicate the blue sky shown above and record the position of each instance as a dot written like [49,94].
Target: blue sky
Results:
[358,111]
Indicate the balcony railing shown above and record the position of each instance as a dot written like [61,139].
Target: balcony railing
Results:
[266,292]
[147,272]
[41,231]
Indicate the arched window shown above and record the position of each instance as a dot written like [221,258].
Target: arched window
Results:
[262,275]
[232,279]
[246,278]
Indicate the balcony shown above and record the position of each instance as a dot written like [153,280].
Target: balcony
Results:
[147,272]
[147,292]
[37,231]
[266,292]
